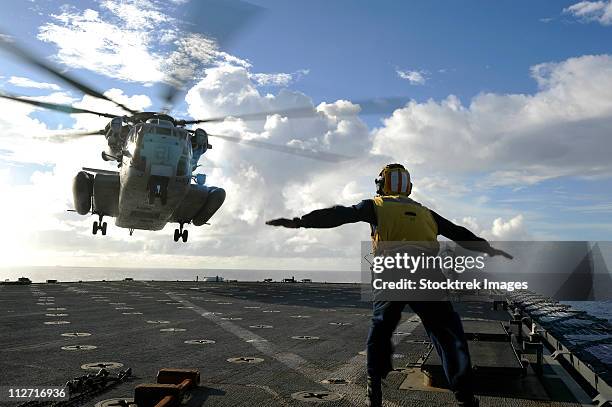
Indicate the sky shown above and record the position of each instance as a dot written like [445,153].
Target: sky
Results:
[505,127]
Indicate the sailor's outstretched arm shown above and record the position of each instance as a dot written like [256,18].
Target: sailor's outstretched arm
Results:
[331,217]
[464,237]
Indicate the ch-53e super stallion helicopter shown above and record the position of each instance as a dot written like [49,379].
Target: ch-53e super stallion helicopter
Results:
[157,155]
[156,159]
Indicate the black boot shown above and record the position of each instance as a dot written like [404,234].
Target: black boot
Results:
[374,392]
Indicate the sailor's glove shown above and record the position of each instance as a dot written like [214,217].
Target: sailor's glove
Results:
[497,252]
[284,222]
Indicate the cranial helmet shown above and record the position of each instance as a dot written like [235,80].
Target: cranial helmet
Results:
[394,179]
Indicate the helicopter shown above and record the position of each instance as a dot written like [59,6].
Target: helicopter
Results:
[153,186]
[156,155]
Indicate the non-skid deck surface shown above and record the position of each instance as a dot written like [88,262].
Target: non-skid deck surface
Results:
[301,334]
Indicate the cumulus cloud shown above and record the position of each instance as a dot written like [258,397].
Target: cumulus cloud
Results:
[512,229]
[414,77]
[137,13]
[88,40]
[125,40]
[264,184]
[29,83]
[37,207]
[277,79]
[592,11]
[19,129]
[513,139]
[501,229]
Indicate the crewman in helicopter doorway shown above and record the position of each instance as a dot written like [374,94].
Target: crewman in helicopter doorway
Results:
[386,214]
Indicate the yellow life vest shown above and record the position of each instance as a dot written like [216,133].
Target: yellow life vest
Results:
[400,219]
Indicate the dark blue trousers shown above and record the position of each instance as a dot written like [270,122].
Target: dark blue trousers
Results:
[445,331]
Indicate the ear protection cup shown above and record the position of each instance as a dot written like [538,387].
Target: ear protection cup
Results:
[394,179]
[380,184]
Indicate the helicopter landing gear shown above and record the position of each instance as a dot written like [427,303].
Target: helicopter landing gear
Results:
[181,234]
[99,225]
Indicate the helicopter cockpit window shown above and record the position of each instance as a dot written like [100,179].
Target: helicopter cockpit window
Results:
[164,131]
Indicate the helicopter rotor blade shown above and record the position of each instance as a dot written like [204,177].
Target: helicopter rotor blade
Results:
[54,106]
[74,135]
[218,20]
[10,46]
[307,153]
[366,107]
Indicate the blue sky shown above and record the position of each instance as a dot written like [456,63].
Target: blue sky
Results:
[354,47]
[445,56]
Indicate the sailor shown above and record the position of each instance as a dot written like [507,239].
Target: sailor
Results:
[394,217]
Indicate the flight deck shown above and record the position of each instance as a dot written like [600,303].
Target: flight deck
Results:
[255,344]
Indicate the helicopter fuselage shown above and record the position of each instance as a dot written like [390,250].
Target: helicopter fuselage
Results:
[155,175]
[153,186]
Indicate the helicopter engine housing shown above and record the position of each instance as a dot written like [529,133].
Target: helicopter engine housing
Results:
[216,197]
[82,192]
[113,130]
[201,139]
[115,134]
[199,145]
